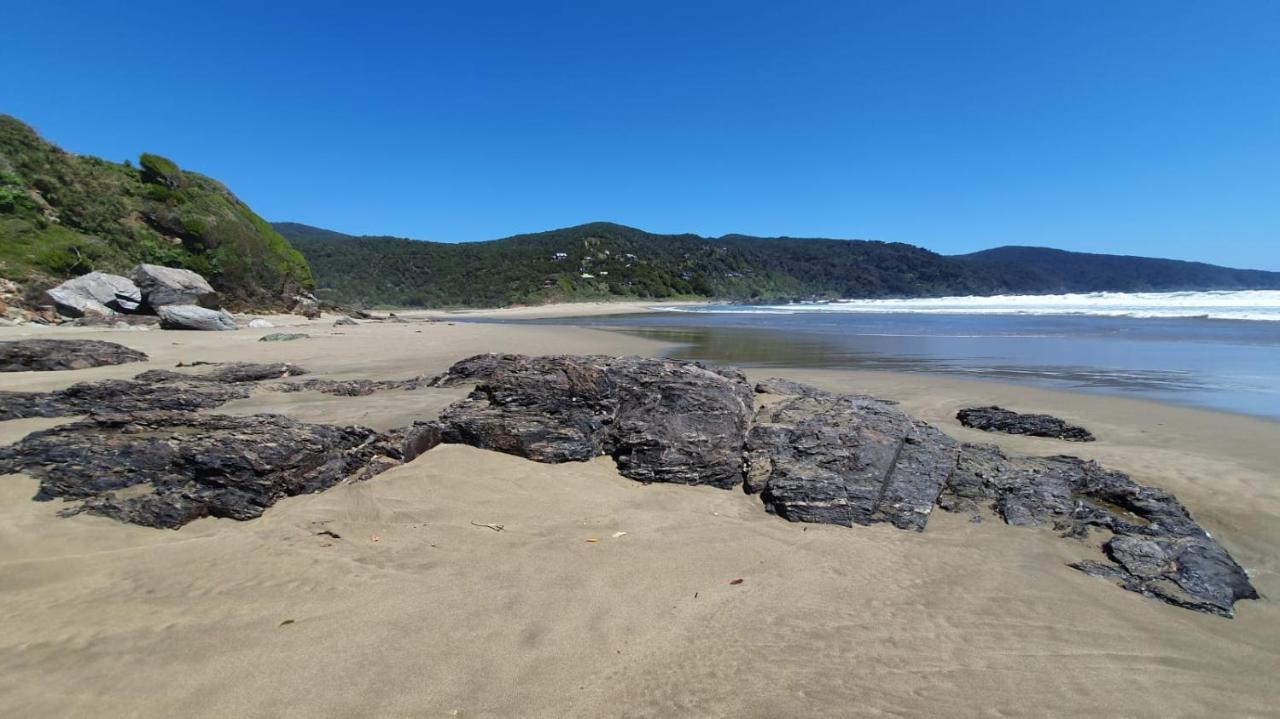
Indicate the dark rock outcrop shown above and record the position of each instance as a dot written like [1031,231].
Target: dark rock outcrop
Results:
[193,317]
[844,459]
[41,355]
[155,389]
[164,469]
[661,420]
[1156,549]
[119,395]
[998,419]
[229,372]
[349,387]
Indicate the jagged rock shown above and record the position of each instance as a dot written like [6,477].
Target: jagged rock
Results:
[118,395]
[155,389]
[283,337]
[844,459]
[227,372]
[344,321]
[998,419]
[1157,549]
[41,355]
[164,286]
[191,317]
[350,387]
[164,469]
[96,293]
[661,420]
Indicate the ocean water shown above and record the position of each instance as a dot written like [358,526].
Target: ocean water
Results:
[1212,350]
[1255,305]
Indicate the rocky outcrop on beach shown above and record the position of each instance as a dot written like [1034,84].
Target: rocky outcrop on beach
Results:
[349,387]
[164,469]
[1156,547]
[50,355]
[145,456]
[156,389]
[998,419]
[841,459]
[661,420]
[818,456]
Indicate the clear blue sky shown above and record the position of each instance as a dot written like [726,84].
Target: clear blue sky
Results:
[1131,127]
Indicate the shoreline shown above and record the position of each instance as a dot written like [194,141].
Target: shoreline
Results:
[407,610]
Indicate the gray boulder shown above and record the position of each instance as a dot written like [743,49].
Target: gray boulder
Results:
[96,293]
[192,317]
[283,337]
[164,286]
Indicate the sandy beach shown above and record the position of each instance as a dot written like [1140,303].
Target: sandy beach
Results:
[415,610]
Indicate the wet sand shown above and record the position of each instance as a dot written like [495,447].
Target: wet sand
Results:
[416,611]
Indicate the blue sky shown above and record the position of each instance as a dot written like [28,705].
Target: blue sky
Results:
[1131,127]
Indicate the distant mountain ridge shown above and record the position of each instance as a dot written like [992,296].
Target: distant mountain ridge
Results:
[604,260]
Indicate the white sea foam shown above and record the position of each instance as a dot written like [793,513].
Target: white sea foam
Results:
[1262,305]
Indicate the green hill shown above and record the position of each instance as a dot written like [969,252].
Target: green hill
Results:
[602,260]
[63,215]
[1061,271]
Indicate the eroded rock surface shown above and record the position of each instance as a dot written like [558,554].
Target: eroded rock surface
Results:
[661,420]
[164,469]
[844,459]
[41,355]
[998,419]
[350,387]
[155,389]
[1157,548]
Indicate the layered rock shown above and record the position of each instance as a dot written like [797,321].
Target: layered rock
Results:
[155,389]
[661,420]
[50,355]
[349,387]
[96,293]
[164,286]
[193,317]
[164,469]
[844,459]
[998,419]
[119,395]
[1157,548]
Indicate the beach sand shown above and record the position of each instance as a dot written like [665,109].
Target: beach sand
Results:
[417,611]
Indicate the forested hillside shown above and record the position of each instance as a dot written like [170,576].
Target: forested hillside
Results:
[602,260]
[63,215]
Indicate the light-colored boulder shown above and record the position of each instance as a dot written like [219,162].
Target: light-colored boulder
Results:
[258,323]
[96,293]
[163,286]
[194,317]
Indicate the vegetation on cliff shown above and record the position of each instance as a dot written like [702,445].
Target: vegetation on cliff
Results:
[601,261]
[63,215]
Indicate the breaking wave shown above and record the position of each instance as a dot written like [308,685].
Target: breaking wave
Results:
[1255,305]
